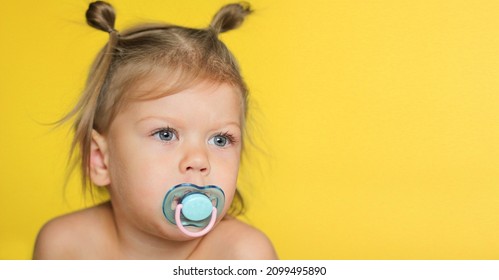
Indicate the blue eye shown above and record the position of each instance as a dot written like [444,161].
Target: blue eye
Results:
[221,140]
[166,134]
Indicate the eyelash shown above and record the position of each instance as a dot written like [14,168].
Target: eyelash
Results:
[230,137]
[227,135]
[157,132]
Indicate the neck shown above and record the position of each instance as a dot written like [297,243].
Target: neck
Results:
[135,243]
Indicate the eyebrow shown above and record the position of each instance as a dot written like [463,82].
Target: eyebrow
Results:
[169,119]
[155,118]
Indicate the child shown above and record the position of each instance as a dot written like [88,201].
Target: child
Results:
[160,126]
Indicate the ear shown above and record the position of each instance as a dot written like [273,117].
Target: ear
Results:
[99,160]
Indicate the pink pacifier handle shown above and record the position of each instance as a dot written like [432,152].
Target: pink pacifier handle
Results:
[195,234]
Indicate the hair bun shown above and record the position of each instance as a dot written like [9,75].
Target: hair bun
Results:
[230,16]
[101,15]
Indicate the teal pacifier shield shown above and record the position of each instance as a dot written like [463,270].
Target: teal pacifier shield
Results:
[197,204]
[196,207]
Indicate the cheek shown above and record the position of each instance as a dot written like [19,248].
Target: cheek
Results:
[132,187]
[226,166]
[227,177]
[139,176]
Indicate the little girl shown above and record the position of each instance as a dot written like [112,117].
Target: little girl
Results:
[160,126]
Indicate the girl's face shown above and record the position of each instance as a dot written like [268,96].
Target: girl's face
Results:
[193,136]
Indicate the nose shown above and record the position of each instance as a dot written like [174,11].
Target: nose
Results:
[195,160]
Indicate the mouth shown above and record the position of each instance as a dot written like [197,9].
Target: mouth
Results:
[189,205]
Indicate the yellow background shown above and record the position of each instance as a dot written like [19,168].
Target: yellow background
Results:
[377,121]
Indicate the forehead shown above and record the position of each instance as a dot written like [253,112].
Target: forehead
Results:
[154,96]
[160,81]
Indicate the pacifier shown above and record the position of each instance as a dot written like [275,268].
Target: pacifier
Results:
[190,205]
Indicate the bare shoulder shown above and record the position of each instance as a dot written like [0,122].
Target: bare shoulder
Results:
[241,241]
[73,235]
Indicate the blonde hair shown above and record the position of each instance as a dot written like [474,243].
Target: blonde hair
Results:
[184,56]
